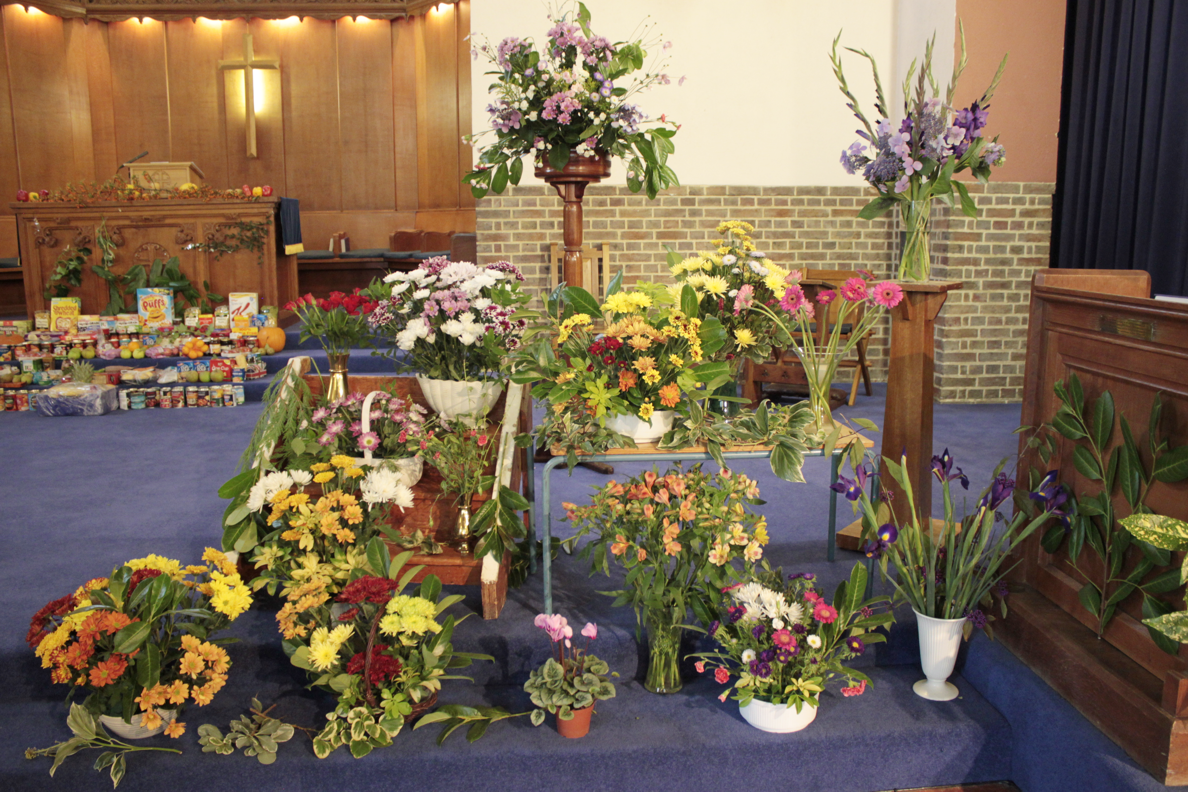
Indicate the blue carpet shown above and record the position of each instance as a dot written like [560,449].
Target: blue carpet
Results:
[81,495]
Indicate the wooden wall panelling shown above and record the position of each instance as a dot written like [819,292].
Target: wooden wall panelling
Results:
[140,90]
[446,220]
[437,111]
[364,78]
[103,140]
[308,56]
[404,102]
[41,101]
[196,102]
[78,87]
[9,172]
[466,199]
[269,166]
[367,229]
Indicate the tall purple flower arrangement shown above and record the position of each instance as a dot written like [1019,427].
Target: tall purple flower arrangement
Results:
[914,161]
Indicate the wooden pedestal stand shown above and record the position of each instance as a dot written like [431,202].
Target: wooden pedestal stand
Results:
[570,183]
[907,422]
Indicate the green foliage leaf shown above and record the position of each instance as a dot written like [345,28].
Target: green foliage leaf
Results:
[1103,420]
[1172,466]
[877,208]
[1085,462]
[1161,531]
[582,301]
[132,637]
[1173,625]
[1090,597]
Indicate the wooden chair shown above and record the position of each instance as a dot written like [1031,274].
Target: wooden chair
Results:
[596,274]
[786,369]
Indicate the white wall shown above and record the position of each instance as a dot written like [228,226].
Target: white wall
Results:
[760,104]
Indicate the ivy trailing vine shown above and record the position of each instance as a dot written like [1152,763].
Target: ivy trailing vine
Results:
[68,272]
[240,235]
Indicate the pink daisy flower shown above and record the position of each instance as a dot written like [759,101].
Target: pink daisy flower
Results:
[854,290]
[826,297]
[793,299]
[783,638]
[811,596]
[888,294]
[826,614]
[368,441]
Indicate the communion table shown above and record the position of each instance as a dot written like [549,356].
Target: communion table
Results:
[197,232]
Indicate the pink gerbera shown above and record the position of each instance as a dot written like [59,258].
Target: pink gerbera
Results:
[811,596]
[824,613]
[826,297]
[888,294]
[793,299]
[854,290]
[368,441]
[783,638]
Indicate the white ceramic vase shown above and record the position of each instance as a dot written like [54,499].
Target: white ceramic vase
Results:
[134,730]
[639,430]
[939,641]
[777,718]
[452,399]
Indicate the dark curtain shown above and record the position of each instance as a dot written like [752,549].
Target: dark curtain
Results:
[1122,172]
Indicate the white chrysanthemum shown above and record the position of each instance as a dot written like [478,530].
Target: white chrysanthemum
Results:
[481,304]
[406,339]
[777,624]
[392,277]
[457,271]
[400,288]
[268,485]
[256,500]
[771,602]
[383,485]
[301,477]
[421,294]
[792,613]
[748,655]
[475,285]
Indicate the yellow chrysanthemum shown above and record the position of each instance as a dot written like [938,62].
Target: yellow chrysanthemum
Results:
[715,285]
[341,461]
[627,302]
[354,472]
[218,559]
[167,566]
[651,376]
[322,478]
[744,337]
[409,616]
[644,364]
[645,411]
[567,327]
[319,467]
[676,360]
[229,595]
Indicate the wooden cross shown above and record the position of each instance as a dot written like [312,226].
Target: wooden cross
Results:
[248,64]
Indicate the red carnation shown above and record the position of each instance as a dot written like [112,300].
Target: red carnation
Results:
[368,589]
[383,667]
[139,576]
[41,619]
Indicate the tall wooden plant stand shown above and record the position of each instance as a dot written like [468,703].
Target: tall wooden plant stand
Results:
[907,423]
[570,183]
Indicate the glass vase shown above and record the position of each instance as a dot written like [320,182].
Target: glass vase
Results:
[716,404]
[337,386]
[914,263]
[819,369]
[664,650]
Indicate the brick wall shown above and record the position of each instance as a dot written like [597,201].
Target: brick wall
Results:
[980,344]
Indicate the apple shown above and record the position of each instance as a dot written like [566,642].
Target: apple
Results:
[204,376]
[138,353]
[217,376]
[266,190]
[22,195]
[44,194]
[126,353]
[247,190]
[191,376]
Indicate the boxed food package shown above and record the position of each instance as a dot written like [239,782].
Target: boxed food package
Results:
[41,320]
[154,307]
[64,313]
[243,304]
[192,317]
[78,399]
[15,327]
[127,323]
[221,370]
[222,317]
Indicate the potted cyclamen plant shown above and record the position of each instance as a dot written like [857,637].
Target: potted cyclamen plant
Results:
[340,324]
[570,681]
[782,642]
[453,323]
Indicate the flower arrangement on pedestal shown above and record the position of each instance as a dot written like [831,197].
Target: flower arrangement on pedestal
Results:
[571,680]
[382,652]
[648,355]
[138,643]
[910,166]
[862,304]
[677,535]
[781,642]
[572,97]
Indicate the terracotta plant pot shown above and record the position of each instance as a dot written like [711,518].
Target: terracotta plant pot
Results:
[578,725]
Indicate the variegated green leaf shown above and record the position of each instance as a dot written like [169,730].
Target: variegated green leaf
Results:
[1173,625]
[1160,530]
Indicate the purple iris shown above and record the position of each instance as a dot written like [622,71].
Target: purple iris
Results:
[999,492]
[1052,495]
[855,645]
[884,538]
[942,468]
[853,488]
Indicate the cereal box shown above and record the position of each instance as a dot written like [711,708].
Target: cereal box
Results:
[243,304]
[155,307]
[64,312]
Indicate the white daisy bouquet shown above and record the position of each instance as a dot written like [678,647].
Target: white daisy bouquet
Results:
[450,320]
[728,282]
[781,641]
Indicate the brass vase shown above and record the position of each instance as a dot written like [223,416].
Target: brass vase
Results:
[461,539]
[338,386]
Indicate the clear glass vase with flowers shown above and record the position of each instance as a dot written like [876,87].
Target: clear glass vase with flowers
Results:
[781,642]
[463,458]
[861,303]
[139,642]
[678,536]
[571,680]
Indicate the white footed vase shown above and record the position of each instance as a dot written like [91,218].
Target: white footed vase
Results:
[452,399]
[639,430]
[134,730]
[939,641]
[777,718]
